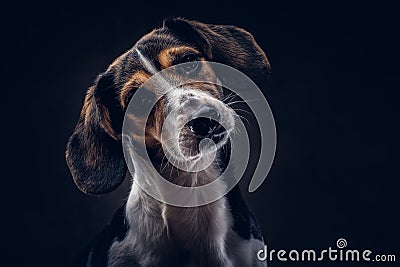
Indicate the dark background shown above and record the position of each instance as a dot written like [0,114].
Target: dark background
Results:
[334,92]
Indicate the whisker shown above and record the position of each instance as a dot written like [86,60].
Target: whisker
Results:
[241,101]
[229,97]
[246,111]
[167,160]
[243,118]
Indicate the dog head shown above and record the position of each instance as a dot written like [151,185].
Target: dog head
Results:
[94,151]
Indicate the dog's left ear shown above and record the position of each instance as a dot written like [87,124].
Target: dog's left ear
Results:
[225,44]
[94,151]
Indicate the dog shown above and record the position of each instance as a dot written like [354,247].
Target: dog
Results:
[146,231]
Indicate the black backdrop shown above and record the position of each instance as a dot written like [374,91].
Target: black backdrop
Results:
[334,92]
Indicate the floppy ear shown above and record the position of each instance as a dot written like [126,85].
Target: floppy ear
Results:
[94,151]
[225,44]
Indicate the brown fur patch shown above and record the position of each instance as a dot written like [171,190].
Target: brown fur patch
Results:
[89,110]
[136,80]
[166,56]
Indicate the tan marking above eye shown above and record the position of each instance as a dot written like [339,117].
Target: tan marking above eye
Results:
[135,81]
[166,56]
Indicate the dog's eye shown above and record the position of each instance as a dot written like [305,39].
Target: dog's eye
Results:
[191,63]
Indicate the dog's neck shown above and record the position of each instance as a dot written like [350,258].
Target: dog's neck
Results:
[193,228]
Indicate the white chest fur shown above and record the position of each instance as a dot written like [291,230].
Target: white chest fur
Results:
[163,235]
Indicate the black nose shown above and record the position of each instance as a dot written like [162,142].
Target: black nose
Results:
[206,124]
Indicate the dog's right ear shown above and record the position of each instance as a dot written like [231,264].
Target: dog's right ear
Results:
[94,151]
